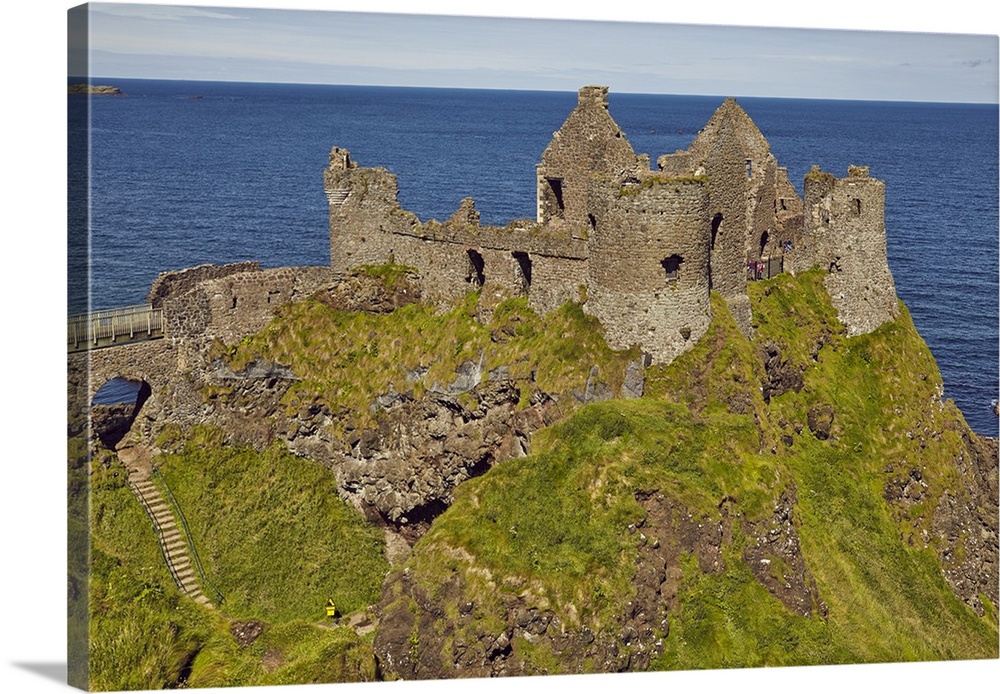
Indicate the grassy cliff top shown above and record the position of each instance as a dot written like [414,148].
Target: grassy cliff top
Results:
[564,530]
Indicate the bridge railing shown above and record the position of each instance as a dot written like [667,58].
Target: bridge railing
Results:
[114,326]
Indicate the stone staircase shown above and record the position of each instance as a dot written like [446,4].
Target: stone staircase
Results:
[172,542]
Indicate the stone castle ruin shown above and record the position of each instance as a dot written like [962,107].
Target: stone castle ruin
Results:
[642,248]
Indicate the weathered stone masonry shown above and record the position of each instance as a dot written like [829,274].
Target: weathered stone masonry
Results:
[641,248]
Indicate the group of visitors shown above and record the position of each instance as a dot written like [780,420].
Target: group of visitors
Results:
[762,269]
[755,270]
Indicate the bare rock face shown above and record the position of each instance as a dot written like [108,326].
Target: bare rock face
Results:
[246,632]
[820,420]
[781,376]
[360,292]
[963,518]
[965,523]
[775,559]
[406,468]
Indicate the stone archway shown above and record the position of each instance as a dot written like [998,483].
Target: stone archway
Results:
[114,408]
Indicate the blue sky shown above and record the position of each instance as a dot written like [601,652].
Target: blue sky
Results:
[275,44]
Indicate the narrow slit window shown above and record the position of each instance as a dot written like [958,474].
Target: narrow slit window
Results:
[556,188]
[522,270]
[477,269]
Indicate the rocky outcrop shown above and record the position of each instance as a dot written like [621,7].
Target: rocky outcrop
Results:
[775,559]
[782,376]
[361,292]
[403,470]
[95,89]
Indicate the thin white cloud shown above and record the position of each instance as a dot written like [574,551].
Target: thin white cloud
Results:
[429,50]
[161,12]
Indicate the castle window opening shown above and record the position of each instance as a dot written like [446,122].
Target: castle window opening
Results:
[749,168]
[523,270]
[856,205]
[477,266]
[555,187]
[763,242]
[593,221]
[716,223]
[672,267]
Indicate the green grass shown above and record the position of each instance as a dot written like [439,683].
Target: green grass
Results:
[552,529]
[345,359]
[273,536]
[554,526]
[272,533]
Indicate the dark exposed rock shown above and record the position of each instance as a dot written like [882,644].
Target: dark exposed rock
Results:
[820,420]
[246,632]
[410,642]
[406,468]
[257,369]
[361,292]
[774,557]
[635,380]
[594,390]
[781,375]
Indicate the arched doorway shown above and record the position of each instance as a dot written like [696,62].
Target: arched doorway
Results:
[115,407]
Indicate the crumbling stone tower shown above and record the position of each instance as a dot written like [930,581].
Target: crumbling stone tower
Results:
[588,152]
[753,206]
[364,212]
[844,233]
[647,232]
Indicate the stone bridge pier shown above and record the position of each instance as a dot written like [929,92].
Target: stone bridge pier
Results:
[155,364]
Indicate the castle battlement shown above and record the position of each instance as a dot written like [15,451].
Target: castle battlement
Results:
[642,247]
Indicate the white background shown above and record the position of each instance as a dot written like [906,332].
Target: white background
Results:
[32,369]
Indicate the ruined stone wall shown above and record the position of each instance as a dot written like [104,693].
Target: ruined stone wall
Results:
[240,304]
[589,145]
[364,213]
[844,234]
[603,218]
[155,363]
[788,213]
[177,282]
[761,207]
[225,303]
[736,157]
[649,267]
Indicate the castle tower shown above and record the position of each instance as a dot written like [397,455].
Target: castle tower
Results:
[745,201]
[588,147]
[364,212]
[844,234]
[648,272]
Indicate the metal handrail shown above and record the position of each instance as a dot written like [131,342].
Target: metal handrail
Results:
[159,531]
[111,324]
[187,536]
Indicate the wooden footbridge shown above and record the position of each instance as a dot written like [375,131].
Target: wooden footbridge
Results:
[112,327]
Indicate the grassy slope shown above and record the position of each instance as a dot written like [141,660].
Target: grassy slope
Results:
[345,359]
[556,522]
[270,530]
[273,536]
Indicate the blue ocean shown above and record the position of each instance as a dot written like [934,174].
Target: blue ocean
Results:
[184,173]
